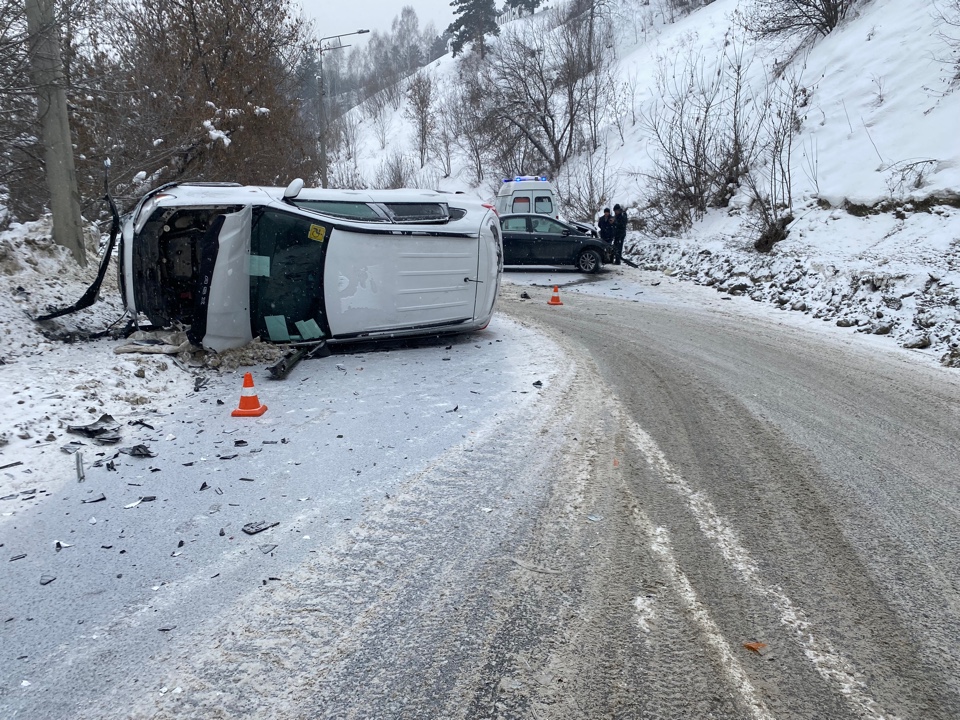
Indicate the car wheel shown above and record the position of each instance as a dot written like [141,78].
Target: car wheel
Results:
[588,261]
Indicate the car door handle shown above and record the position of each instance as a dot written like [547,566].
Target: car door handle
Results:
[466,279]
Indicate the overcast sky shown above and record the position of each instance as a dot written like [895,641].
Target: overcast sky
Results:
[334,18]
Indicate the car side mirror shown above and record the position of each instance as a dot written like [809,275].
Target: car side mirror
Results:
[293,189]
[566,232]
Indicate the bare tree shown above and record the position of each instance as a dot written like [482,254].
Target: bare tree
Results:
[704,136]
[419,111]
[588,184]
[539,84]
[804,18]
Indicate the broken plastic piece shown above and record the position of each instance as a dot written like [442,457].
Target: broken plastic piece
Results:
[267,549]
[755,646]
[99,498]
[166,628]
[47,579]
[133,504]
[105,426]
[139,451]
[247,480]
[258,527]
[58,546]
[72,446]
[21,556]
[204,486]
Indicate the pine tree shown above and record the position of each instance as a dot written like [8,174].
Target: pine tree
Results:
[475,19]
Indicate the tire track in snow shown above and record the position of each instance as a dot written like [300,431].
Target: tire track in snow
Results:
[828,662]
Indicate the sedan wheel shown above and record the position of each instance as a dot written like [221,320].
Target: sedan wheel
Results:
[588,261]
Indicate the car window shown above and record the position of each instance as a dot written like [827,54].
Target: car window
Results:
[543,204]
[546,225]
[521,205]
[418,212]
[515,224]
[343,209]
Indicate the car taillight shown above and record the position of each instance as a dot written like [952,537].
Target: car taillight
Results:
[491,207]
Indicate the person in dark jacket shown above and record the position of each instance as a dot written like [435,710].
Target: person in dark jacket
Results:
[619,233]
[605,223]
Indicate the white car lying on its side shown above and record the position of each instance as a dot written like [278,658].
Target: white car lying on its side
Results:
[236,262]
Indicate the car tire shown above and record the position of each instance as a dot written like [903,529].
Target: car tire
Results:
[589,261]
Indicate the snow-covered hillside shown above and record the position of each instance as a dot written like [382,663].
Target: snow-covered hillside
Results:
[875,163]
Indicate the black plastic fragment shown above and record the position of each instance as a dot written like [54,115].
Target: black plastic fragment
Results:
[138,451]
[204,486]
[267,549]
[23,555]
[257,527]
[47,579]
[100,498]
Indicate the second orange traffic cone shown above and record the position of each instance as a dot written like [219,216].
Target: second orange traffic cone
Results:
[249,402]
[555,300]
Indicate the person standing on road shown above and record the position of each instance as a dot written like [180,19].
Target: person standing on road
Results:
[605,223]
[619,232]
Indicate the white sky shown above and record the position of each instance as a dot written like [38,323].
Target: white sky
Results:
[334,18]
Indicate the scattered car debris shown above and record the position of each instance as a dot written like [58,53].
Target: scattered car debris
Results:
[14,496]
[524,295]
[72,446]
[81,476]
[10,465]
[58,546]
[267,549]
[199,384]
[258,527]
[21,556]
[143,423]
[538,384]
[247,480]
[166,628]
[133,504]
[138,451]
[594,518]
[227,457]
[239,443]
[92,521]
[100,498]
[755,646]
[204,486]
[222,532]
[47,579]
[104,431]
[454,409]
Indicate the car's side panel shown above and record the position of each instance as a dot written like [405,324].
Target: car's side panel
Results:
[228,313]
[378,282]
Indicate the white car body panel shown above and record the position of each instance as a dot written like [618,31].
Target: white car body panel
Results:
[376,282]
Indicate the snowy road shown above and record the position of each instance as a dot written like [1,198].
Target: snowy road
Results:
[456,542]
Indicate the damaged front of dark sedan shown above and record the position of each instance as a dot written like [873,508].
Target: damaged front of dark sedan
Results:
[232,263]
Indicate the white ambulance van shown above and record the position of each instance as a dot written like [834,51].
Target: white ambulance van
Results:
[527,194]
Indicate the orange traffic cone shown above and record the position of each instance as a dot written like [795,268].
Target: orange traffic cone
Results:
[555,300]
[249,402]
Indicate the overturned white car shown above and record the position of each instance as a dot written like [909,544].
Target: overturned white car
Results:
[236,262]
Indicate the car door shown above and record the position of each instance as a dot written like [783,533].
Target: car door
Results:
[517,240]
[223,320]
[552,242]
[376,282]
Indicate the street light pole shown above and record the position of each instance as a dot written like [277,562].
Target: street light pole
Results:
[335,43]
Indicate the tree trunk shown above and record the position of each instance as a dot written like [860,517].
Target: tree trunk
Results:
[47,72]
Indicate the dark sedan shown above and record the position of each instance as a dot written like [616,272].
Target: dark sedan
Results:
[541,240]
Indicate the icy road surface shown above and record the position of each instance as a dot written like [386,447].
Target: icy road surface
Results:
[651,504]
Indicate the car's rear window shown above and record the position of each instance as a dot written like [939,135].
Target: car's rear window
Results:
[418,212]
[543,204]
[520,205]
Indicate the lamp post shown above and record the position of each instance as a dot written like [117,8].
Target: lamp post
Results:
[335,43]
